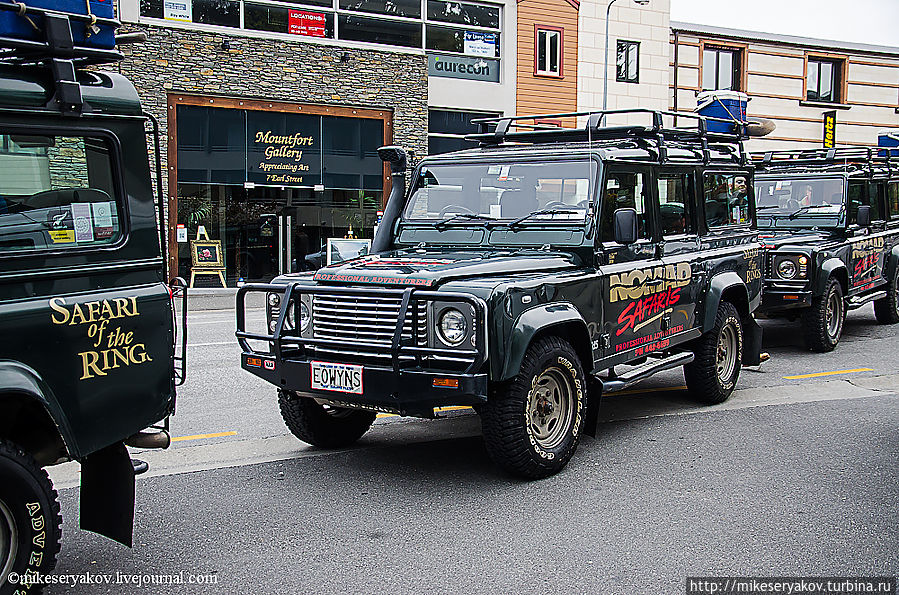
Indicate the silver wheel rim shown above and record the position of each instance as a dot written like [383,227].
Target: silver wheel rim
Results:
[550,407]
[834,315]
[9,542]
[726,357]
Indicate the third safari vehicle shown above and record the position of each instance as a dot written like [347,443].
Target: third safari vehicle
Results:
[830,222]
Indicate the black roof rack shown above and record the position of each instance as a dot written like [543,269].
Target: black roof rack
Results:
[57,51]
[832,159]
[539,129]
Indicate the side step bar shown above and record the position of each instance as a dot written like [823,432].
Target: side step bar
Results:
[861,300]
[617,383]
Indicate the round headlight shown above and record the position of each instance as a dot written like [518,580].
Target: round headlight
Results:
[786,269]
[274,299]
[452,326]
[304,316]
[290,318]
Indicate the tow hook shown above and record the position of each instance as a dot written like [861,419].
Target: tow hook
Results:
[152,439]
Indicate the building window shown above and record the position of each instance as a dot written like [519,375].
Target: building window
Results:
[721,69]
[447,129]
[466,28]
[628,62]
[823,81]
[548,57]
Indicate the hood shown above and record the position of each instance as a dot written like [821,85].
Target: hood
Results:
[428,269]
[798,238]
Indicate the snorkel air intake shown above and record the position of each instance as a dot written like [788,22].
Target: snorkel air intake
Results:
[396,156]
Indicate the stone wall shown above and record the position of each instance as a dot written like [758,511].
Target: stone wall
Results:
[193,62]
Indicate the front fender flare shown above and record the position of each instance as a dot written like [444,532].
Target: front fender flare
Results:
[828,269]
[19,379]
[527,326]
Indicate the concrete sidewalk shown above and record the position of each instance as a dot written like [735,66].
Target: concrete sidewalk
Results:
[205,298]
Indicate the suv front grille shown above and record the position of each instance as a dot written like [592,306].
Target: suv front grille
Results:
[366,319]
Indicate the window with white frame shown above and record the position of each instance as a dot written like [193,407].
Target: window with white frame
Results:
[548,57]
[465,28]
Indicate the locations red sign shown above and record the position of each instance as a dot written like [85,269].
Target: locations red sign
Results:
[301,22]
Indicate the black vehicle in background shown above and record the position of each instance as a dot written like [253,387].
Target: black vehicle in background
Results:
[87,319]
[830,222]
[526,278]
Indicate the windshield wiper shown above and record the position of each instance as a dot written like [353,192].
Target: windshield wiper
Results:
[442,224]
[801,210]
[766,207]
[517,222]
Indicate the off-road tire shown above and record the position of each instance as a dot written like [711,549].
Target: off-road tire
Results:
[517,420]
[330,427]
[819,331]
[718,358]
[30,521]
[886,310]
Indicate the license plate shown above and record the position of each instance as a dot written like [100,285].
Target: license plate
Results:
[343,378]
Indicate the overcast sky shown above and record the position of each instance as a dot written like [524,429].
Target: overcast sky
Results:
[862,21]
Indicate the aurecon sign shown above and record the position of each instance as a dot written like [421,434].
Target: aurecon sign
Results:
[460,67]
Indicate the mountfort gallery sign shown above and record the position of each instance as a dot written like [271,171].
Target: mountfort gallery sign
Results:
[272,148]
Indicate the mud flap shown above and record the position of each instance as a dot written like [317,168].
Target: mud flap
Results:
[752,342]
[594,397]
[107,493]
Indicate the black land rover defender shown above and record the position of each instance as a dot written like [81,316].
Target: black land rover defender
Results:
[87,360]
[830,222]
[526,278]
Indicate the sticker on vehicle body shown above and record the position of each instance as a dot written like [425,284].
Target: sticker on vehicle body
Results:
[344,378]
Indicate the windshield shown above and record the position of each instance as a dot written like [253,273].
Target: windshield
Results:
[793,197]
[515,193]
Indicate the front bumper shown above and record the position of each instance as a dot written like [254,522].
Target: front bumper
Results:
[404,392]
[401,381]
[779,296]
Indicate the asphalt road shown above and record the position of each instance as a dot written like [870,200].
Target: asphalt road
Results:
[792,476]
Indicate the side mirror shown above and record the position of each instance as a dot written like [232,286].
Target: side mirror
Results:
[625,226]
[863,216]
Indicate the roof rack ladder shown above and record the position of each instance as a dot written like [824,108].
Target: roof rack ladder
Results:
[704,140]
[657,126]
[58,30]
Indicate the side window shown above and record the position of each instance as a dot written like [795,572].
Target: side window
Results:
[625,190]
[863,194]
[726,199]
[676,204]
[56,192]
[893,199]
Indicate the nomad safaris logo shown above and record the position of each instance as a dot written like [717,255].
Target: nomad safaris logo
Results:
[112,348]
[652,294]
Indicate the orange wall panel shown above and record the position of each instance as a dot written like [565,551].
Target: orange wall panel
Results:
[545,94]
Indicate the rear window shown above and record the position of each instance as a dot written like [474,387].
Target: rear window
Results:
[56,193]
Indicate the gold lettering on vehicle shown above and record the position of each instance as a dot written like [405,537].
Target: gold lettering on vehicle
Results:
[866,247]
[633,285]
[112,347]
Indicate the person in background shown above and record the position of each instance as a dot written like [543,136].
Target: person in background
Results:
[806,200]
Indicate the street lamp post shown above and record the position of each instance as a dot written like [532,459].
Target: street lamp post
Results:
[605,77]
